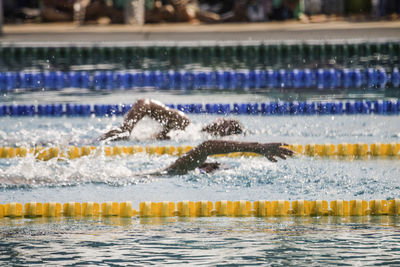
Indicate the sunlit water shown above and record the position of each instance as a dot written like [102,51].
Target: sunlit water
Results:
[202,241]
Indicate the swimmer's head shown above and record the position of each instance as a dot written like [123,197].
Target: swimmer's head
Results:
[224,127]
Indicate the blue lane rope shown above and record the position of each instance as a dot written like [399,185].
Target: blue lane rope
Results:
[197,80]
[268,108]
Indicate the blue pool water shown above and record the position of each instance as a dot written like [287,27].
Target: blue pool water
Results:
[312,241]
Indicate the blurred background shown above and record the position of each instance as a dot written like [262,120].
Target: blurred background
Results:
[196,11]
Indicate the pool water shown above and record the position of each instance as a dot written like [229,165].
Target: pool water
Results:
[292,241]
[211,241]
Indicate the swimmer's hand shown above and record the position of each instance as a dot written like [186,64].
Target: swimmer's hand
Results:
[115,135]
[272,150]
[209,167]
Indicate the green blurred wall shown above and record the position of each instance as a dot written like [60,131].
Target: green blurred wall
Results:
[358,6]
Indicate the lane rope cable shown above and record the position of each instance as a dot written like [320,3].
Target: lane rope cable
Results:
[242,208]
[203,80]
[381,107]
[344,150]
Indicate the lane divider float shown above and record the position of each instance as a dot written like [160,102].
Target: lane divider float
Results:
[242,208]
[343,150]
[208,53]
[380,107]
[202,80]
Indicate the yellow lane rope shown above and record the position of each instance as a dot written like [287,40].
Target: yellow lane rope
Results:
[359,150]
[242,208]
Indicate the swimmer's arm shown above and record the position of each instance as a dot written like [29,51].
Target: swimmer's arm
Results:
[169,119]
[198,155]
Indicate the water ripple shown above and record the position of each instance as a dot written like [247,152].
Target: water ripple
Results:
[205,241]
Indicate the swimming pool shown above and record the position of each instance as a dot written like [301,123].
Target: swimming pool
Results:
[274,241]
[204,241]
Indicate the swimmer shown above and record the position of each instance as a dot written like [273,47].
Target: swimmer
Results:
[193,159]
[196,158]
[170,119]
